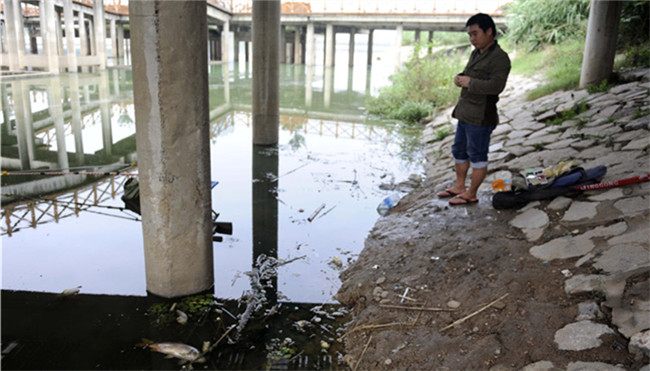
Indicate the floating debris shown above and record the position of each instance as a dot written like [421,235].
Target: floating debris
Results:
[182,317]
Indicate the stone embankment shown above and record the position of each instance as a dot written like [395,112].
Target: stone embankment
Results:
[575,270]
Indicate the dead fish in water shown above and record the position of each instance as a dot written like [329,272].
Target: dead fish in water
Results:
[70,292]
[184,352]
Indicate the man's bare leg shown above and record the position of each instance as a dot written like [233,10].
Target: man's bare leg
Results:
[461,176]
[478,175]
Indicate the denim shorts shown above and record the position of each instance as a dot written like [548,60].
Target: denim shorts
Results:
[472,143]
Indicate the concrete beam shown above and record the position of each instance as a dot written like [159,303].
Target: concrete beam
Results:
[170,87]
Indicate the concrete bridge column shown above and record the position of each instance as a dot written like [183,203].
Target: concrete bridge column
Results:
[113,36]
[417,36]
[370,34]
[297,47]
[351,48]
[329,45]
[309,45]
[430,42]
[59,33]
[22,105]
[600,44]
[105,112]
[75,106]
[55,103]
[91,36]
[236,48]
[69,35]
[119,48]
[225,42]
[13,27]
[100,32]
[83,35]
[398,46]
[266,72]
[33,45]
[48,34]
[170,88]
[283,45]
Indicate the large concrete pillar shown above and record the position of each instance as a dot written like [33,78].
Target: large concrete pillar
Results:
[69,35]
[225,42]
[170,88]
[351,48]
[83,35]
[21,106]
[600,45]
[55,102]
[309,45]
[329,45]
[283,45]
[430,44]
[59,33]
[100,32]
[12,34]
[119,48]
[113,36]
[370,34]
[398,46]
[105,112]
[266,71]
[75,107]
[297,47]
[48,34]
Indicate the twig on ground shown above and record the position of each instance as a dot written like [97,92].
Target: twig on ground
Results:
[458,322]
[362,354]
[431,309]
[372,327]
[284,262]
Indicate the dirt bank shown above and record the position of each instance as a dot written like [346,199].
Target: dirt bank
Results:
[470,266]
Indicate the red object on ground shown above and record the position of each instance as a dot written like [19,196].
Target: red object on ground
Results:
[615,183]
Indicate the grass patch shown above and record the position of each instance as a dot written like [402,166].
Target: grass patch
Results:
[422,85]
[443,133]
[560,65]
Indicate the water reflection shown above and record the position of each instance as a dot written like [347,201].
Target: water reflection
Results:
[75,125]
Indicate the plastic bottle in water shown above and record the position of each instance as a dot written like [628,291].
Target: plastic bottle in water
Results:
[388,203]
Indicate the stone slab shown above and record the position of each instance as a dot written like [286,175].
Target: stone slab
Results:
[581,210]
[608,231]
[623,258]
[581,335]
[632,205]
[610,194]
[630,322]
[559,203]
[581,283]
[562,248]
[593,366]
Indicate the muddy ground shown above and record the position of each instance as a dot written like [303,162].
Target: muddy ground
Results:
[465,256]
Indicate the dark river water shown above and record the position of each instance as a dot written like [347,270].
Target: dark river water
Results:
[332,161]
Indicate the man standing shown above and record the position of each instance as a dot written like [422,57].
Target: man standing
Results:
[481,81]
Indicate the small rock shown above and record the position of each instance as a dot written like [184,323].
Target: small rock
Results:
[559,203]
[388,361]
[581,335]
[588,311]
[381,280]
[640,343]
[453,304]
[377,291]
[592,366]
[540,366]
[324,344]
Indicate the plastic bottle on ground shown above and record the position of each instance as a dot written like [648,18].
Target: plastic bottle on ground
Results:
[388,203]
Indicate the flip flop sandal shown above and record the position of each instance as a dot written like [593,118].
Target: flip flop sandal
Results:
[448,193]
[464,201]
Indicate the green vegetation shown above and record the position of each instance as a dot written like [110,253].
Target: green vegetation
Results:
[535,23]
[569,115]
[443,133]
[423,84]
[543,37]
[600,88]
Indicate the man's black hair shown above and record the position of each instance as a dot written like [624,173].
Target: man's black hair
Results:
[484,22]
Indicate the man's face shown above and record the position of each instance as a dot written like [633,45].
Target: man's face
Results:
[479,38]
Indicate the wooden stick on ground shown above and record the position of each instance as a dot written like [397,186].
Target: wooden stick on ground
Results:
[362,354]
[458,322]
[372,327]
[417,308]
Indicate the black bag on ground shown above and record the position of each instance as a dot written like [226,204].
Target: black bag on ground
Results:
[563,185]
